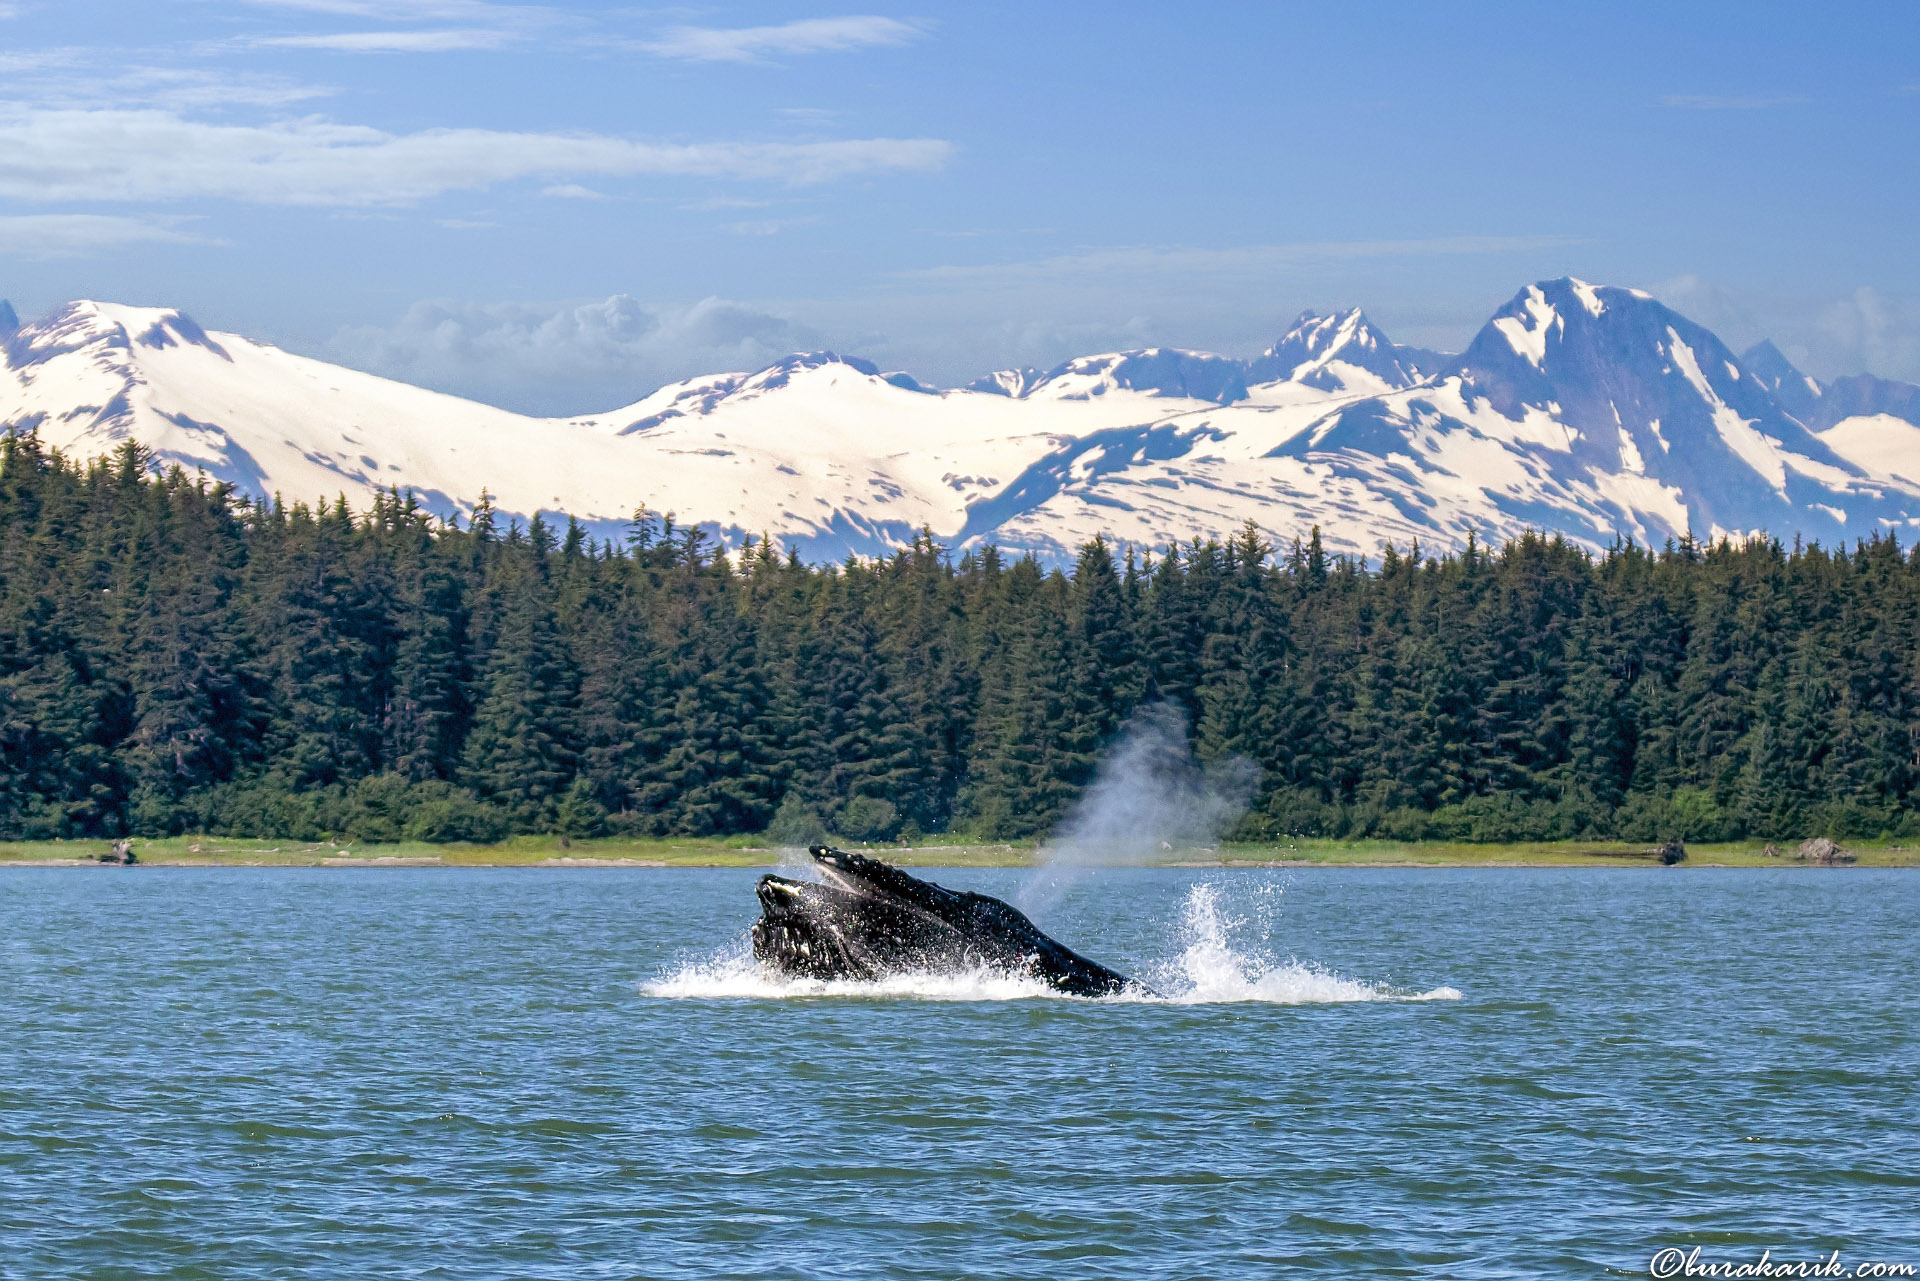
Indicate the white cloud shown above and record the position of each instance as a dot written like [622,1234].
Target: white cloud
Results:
[118,155]
[808,35]
[78,235]
[1719,102]
[573,191]
[568,358]
[447,40]
[1869,331]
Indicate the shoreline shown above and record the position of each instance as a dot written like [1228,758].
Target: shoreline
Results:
[550,852]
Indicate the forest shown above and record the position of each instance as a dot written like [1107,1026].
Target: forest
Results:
[177,657]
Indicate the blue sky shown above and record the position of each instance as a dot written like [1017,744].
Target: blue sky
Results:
[559,206]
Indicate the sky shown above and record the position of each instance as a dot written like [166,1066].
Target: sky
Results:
[558,207]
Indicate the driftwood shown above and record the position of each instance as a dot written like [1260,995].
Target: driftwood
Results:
[1669,854]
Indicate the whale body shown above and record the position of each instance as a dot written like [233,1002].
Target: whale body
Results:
[866,919]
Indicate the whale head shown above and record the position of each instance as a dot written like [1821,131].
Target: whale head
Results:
[807,928]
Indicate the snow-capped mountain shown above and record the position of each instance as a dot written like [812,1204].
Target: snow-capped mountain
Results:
[819,450]
[1588,410]
[1342,353]
[1599,411]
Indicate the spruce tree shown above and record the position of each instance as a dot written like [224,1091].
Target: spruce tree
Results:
[520,754]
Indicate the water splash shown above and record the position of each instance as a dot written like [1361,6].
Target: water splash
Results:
[1209,969]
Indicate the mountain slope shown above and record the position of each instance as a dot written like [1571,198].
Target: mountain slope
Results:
[1591,411]
[1157,371]
[1870,422]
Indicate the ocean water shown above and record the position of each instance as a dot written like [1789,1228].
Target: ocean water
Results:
[237,1073]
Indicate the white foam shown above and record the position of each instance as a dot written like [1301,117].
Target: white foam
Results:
[736,975]
[1209,970]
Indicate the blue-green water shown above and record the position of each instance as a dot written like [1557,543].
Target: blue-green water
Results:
[560,1074]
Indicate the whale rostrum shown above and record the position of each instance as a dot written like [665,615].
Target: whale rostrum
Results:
[866,919]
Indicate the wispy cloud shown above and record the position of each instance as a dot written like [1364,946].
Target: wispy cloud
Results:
[1719,102]
[770,226]
[416,26]
[15,62]
[573,191]
[194,89]
[1870,331]
[68,235]
[710,203]
[154,155]
[406,10]
[1236,261]
[756,44]
[76,77]
[1865,331]
[443,41]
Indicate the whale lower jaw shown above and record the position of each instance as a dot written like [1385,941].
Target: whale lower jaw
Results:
[867,919]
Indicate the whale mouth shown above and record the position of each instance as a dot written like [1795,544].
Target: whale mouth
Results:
[800,931]
[853,873]
[777,893]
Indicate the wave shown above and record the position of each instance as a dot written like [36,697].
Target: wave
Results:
[1208,970]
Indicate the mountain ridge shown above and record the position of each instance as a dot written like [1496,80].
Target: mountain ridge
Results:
[1587,410]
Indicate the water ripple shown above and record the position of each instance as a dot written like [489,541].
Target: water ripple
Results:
[479,1074]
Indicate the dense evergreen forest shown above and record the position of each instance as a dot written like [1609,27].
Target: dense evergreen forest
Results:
[175,657]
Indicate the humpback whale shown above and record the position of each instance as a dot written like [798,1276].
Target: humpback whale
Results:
[866,919]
